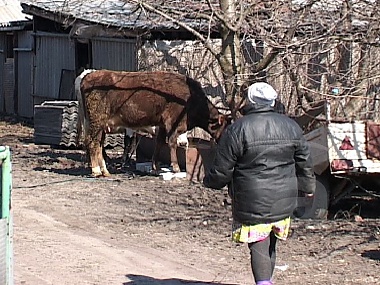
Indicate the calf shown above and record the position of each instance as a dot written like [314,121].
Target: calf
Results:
[112,100]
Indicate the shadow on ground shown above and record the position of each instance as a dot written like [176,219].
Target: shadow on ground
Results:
[362,205]
[143,280]
[372,254]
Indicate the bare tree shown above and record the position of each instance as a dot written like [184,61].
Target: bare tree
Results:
[311,50]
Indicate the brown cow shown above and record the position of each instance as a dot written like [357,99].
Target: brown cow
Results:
[112,100]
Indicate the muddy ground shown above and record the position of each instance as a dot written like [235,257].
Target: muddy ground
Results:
[72,229]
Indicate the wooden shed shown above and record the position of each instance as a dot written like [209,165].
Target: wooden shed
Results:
[74,35]
[13,26]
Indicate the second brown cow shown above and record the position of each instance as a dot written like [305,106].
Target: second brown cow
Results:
[110,101]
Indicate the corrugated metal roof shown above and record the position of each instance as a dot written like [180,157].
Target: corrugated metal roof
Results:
[11,13]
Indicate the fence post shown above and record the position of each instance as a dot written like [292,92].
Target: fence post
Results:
[6,222]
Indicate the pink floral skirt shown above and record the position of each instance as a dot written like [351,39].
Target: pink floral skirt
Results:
[259,232]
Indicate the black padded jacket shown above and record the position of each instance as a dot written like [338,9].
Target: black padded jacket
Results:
[265,160]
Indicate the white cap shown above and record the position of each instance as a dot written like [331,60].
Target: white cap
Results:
[262,93]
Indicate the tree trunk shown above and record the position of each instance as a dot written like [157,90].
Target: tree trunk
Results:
[230,57]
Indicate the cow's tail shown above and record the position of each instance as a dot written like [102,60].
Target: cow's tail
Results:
[82,122]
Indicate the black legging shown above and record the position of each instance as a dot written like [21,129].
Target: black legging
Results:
[263,257]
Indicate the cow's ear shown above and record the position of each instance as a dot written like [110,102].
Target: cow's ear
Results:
[225,119]
[221,119]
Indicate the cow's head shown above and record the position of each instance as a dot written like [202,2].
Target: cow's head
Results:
[219,117]
[218,124]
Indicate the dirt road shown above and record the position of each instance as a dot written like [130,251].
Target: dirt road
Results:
[50,252]
[70,229]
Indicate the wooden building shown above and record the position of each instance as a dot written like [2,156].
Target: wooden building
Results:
[14,25]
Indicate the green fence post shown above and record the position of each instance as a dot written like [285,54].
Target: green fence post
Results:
[6,215]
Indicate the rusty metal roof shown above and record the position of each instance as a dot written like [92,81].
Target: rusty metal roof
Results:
[11,13]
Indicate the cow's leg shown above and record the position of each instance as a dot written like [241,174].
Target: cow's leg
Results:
[160,142]
[129,147]
[103,167]
[94,147]
[172,142]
